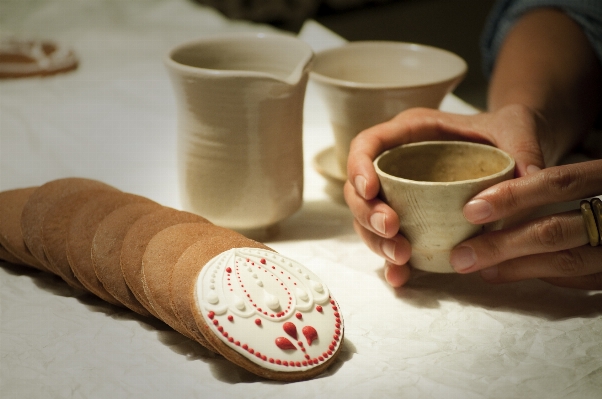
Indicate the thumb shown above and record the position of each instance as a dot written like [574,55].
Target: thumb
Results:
[519,138]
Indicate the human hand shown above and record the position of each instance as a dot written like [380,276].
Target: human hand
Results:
[514,129]
[553,248]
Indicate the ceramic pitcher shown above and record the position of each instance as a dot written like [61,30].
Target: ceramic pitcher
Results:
[239,105]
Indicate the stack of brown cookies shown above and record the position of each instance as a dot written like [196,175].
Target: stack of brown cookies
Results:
[235,296]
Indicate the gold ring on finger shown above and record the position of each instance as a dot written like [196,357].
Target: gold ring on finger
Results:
[591,212]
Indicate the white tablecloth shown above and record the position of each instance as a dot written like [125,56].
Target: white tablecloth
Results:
[113,119]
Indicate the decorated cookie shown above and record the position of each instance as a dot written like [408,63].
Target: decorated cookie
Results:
[268,314]
[22,58]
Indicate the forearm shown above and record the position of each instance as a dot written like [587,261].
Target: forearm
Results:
[547,64]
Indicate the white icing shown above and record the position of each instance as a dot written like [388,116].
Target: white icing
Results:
[253,314]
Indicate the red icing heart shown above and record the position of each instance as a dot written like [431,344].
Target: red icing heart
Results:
[284,343]
[290,329]
[310,334]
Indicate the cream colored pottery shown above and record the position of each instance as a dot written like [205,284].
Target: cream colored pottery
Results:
[240,112]
[365,83]
[428,184]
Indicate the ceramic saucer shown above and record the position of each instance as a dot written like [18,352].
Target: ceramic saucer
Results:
[325,163]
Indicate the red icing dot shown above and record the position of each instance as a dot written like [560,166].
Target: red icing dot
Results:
[230,317]
[245,346]
[284,343]
[278,361]
[251,351]
[211,315]
[285,363]
[299,315]
[215,322]
[319,308]
[271,360]
[229,269]
[258,322]
[262,261]
[290,329]
[336,314]
[304,363]
[298,364]
[310,334]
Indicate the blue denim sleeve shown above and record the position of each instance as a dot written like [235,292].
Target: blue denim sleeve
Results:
[587,13]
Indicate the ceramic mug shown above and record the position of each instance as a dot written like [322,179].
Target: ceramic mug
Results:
[239,101]
[369,82]
[428,183]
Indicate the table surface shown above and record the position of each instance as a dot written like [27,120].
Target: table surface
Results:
[113,119]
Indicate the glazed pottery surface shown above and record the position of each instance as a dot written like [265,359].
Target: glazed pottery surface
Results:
[368,82]
[428,184]
[240,112]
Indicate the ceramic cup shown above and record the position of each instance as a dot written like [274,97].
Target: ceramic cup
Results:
[239,105]
[368,82]
[428,184]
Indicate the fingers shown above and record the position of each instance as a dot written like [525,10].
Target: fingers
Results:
[373,215]
[548,234]
[396,275]
[548,186]
[578,267]
[518,127]
[396,250]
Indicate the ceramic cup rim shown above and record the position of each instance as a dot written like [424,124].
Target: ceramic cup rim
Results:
[224,38]
[510,166]
[386,44]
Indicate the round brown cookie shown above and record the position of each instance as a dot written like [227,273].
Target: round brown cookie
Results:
[82,228]
[55,229]
[12,203]
[8,257]
[158,261]
[106,251]
[136,240]
[265,312]
[186,270]
[41,200]
[22,58]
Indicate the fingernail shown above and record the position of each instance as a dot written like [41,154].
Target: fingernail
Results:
[388,247]
[360,185]
[532,169]
[462,258]
[377,221]
[477,210]
[490,273]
